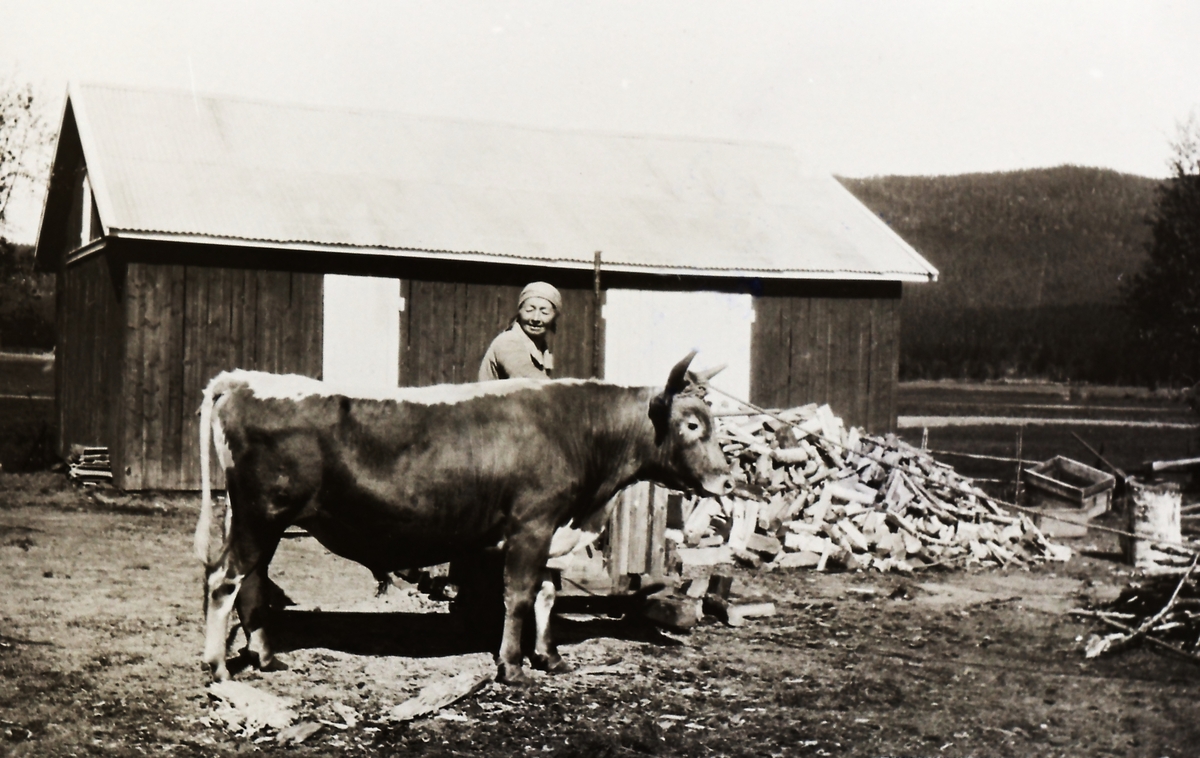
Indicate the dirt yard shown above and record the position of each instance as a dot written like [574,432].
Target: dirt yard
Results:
[100,639]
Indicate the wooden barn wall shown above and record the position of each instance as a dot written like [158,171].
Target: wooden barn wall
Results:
[87,356]
[446,328]
[844,351]
[185,324]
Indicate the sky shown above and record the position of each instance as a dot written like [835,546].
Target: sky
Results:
[857,88]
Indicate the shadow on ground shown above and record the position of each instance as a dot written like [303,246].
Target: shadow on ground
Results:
[432,635]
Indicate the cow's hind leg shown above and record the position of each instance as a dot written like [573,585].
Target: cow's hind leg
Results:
[253,606]
[239,580]
[221,586]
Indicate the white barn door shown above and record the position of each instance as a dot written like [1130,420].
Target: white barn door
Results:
[646,333]
[361,341]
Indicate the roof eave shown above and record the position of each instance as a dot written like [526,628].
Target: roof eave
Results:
[517,260]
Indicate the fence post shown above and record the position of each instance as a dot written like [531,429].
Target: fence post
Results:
[1017,486]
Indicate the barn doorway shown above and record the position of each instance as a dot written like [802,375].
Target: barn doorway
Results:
[647,332]
[361,342]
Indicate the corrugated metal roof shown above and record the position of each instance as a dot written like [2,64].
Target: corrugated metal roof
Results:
[174,165]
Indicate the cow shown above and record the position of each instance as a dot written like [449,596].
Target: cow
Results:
[415,477]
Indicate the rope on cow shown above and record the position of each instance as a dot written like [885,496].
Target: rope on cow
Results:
[1189,548]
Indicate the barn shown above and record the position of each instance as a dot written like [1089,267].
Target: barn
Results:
[192,234]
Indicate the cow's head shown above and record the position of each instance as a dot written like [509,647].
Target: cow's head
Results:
[685,435]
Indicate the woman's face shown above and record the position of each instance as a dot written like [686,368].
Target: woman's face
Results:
[535,316]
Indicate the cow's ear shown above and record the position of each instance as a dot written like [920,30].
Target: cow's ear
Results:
[660,415]
[678,378]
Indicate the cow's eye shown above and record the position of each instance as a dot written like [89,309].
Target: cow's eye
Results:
[693,426]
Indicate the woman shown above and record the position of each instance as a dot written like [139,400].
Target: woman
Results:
[521,350]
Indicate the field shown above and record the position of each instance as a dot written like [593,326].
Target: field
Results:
[1128,426]
[100,635]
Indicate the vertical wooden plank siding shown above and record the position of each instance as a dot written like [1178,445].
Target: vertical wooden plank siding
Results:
[656,547]
[403,369]
[636,503]
[838,350]
[195,323]
[794,375]
[574,340]
[133,391]
[770,317]
[184,325]
[89,317]
[308,302]
[885,363]
[618,541]
[447,327]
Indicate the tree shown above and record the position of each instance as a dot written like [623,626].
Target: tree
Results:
[24,138]
[1163,299]
[24,164]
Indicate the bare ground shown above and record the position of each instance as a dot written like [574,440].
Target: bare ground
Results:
[100,634]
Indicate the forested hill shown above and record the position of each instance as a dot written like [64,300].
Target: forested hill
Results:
[1022,238]
[1029,261]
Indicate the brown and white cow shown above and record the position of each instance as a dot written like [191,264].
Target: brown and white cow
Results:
[421,476]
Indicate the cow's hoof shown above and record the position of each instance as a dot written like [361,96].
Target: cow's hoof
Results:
[552,664]
[218,671]
[274,664]
[514,676]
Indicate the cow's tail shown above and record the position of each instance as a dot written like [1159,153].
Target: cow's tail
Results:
[204,524]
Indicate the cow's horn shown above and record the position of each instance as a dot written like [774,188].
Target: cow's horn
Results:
[676,381]
[700,377]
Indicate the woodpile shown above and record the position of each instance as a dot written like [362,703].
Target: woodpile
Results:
[814,494]
[89,466]
[1163,611]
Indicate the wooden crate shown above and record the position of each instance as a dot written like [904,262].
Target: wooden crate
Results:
[634,549]
[1069,493]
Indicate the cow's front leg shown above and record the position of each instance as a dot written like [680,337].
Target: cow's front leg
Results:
[545,654]
[523,561]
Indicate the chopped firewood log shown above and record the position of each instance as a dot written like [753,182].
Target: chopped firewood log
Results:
[672,612]
[697,562]
[720,585]
[765,545]
[802,559]
[797,542]
[747,558]
[699,519]
[736,615]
